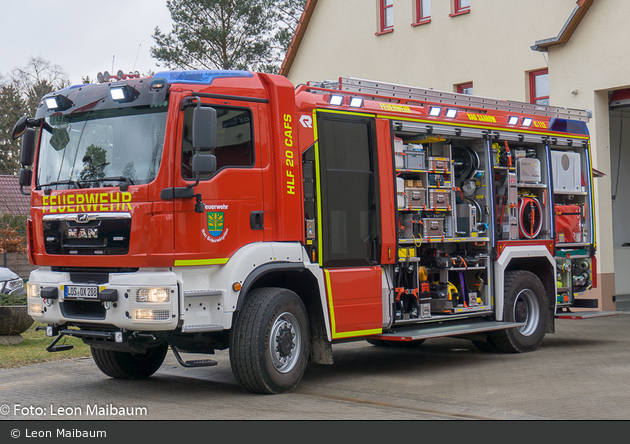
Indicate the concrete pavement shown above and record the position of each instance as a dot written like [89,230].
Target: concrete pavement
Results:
[582,372]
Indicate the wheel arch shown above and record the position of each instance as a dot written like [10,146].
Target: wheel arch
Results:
[301,280]
[536,259]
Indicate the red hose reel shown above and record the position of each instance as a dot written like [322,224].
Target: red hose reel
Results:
[529,217]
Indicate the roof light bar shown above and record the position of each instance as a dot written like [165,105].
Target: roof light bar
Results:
[435,111]
[335,100]
[513,120]
[356,102]
[451,113]
[57,103]
[122,93]
[51,103]
[118,94]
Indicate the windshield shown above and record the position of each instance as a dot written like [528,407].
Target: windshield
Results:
[102,148]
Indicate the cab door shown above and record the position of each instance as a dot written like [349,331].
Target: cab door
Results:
[231,197]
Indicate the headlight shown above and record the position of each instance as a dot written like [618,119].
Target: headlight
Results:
[33,291]
[150,315]
[14,284]
[35,307]
[158,295]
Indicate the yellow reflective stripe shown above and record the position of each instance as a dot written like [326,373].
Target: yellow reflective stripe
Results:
[189,263]
[333,326]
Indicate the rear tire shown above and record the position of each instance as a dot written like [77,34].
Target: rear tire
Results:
[525,301]
[269,342]
[121,365]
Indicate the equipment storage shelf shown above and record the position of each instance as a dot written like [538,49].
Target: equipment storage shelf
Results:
[464,313]
[440,240]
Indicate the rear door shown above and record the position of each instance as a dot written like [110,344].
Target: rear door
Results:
[349,222]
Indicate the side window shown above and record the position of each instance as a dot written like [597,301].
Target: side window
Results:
[460,7]
[235,143]
[465,88]
[539,87]
[423,11]
[349,185]
[386,9]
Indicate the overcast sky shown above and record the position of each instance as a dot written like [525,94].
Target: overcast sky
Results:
[84,37]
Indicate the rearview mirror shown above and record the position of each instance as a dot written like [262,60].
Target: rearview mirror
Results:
[204,133]
[19,127]
[204,164]
[28,147]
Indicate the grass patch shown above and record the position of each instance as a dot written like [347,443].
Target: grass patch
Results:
[33,349]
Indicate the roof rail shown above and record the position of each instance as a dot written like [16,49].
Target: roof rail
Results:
[393,92]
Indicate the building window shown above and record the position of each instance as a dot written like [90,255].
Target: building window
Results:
[423,12]
[539,87]
[460,7]
[387,15]
[465,88]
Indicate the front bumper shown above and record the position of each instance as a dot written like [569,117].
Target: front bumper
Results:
[145,300]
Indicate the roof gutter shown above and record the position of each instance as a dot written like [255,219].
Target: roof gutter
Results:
[568,29]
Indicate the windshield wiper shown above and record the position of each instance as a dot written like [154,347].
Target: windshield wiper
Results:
[60,182]
[123,187]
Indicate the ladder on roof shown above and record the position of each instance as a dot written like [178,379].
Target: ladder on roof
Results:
[411,93]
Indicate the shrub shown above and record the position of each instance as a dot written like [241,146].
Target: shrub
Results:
[11,241]
[6,299]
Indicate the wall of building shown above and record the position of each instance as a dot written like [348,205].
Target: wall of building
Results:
[582,72]
[489,46]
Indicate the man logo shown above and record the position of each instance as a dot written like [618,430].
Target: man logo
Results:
[83,218]
[82,233]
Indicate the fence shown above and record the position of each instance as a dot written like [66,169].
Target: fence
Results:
[18,263]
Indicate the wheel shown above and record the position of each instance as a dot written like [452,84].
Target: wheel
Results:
[400,344]
[269,342]
[121,365]
[525,301]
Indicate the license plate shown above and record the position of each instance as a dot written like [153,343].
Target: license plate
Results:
[81,292]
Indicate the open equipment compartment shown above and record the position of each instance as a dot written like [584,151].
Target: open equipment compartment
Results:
[572,198]
[443,226]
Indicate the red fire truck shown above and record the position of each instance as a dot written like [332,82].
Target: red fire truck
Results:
[207,210]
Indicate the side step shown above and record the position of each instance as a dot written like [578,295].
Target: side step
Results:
[430,330]
[194,362]
[586,314]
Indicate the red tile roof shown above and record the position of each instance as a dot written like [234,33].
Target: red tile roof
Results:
[12,201]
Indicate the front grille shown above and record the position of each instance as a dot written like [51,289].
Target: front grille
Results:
[89,278]
[83,309]
[87,234]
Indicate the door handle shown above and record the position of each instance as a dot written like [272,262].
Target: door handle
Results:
[256,220]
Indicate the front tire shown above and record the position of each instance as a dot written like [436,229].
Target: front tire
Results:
[269,342]
[121,365]
[525,301]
